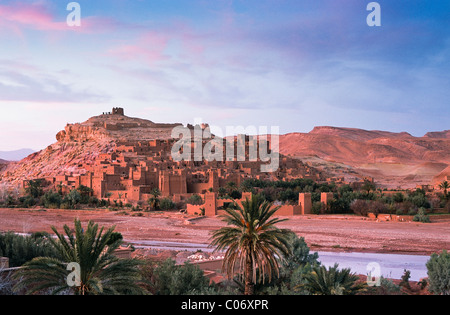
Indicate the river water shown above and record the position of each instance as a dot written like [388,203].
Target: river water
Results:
[387,265]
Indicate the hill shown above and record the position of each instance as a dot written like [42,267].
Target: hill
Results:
[15,155]
[81,143]
[393,159]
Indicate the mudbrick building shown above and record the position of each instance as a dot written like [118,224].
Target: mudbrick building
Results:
[134,169]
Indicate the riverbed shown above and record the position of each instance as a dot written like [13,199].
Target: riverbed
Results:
[378,264]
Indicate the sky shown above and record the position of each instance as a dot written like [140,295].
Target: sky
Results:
[294,64]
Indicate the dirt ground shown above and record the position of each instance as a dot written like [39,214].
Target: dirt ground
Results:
[322,233]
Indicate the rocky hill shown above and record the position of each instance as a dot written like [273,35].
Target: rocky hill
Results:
[82,143]
[393,159]
[3,164]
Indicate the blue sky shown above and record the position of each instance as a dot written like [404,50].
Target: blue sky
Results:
[290,63]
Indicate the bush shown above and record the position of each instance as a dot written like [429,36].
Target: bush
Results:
[387,287]
[195,200]
[20,249]
[332,281]
[167,204]
[405,207]
[398,197]
[51,200]
[363,207]
[447,207]
[317,207]
[27,201]
[360,207]
[421,216]
[94,201]
[299,254]
[376,206]
[73,198]
[439,273]
[420,201]
[170,279]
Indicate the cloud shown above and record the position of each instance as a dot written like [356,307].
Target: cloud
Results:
[20,81]
[19,17]
[31,16]
[148,48]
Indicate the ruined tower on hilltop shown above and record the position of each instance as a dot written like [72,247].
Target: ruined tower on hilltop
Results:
[118,111]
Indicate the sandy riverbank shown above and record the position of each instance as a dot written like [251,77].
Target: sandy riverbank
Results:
[322,233]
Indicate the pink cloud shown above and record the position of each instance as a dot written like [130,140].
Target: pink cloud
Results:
[149,47]
[18,17]
[29,16]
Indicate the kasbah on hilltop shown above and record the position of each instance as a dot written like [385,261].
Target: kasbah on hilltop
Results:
[140,161]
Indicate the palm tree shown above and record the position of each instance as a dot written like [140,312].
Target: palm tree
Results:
[100,271]
[252,242]
[154,200]
[445,186]
[332,281]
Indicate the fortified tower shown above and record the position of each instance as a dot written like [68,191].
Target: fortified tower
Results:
[118,111]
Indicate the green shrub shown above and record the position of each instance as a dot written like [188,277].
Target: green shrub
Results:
[20,249]
[51,200]
[439,273]
[170,279]
[332,281]
[167,204]
[27,201]
[317,207]
[421,216]
[195,200]
[73,198]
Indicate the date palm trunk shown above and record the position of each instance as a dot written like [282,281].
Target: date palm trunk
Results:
[249,285]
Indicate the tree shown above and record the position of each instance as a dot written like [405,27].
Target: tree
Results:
[51,199]
[85,193]
[154,200]
[439,273]
[252,241]
[368,186]
[34,188]
[332,281]
[445,185]
[73,198]
[299,254]
[101,272]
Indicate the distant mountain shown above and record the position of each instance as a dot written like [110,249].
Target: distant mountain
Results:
[392,159]
[16,155]
[439,134]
